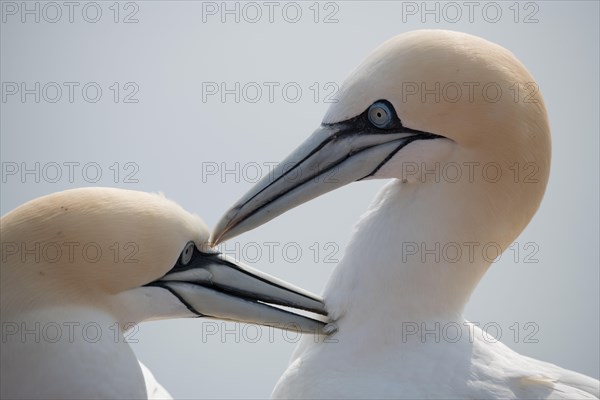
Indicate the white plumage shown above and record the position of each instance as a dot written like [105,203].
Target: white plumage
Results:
[397,118]
[64,315]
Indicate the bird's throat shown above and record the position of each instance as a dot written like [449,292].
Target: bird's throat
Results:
[415,255]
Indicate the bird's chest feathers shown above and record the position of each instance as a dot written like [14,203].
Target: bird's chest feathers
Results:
[74,351]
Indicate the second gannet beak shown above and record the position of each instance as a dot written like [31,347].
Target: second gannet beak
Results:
[214,285]
[333,156]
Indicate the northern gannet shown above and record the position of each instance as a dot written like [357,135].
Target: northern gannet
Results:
[81,266]
[423,101]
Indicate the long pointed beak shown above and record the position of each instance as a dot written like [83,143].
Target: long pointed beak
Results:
[333,156]
[216,286]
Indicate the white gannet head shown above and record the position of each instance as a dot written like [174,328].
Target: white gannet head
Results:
[422,101]
[134,255]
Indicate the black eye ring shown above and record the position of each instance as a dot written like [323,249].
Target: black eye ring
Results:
[186,254]
[380,115]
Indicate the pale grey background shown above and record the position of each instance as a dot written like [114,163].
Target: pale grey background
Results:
[171,132]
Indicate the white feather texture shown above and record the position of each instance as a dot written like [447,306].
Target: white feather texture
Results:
[379,294]
[77,306]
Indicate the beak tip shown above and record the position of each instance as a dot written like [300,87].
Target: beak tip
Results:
[215,239]
[212,240]
[222,231]
[219,232]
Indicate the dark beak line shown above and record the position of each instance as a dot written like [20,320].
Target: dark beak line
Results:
[310,154]
[161,284]
[208,259]
[220,275]
[419,135]
[164,285]
[404,143]
[210,285]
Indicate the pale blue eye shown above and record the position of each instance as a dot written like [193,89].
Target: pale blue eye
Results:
[380,114]
[187,253]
